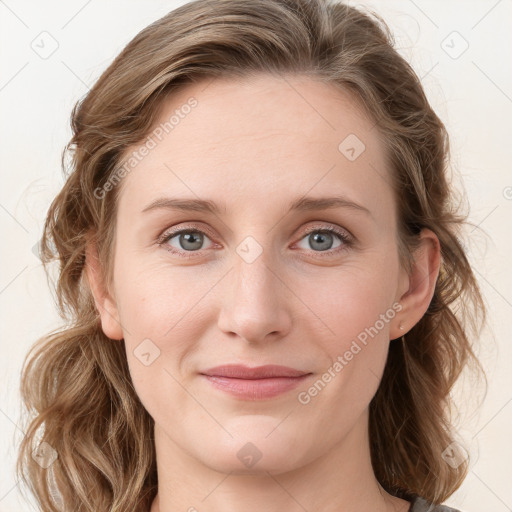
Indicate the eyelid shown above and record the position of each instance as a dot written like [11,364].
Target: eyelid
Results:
[321,226]
[345,236]
[169,232]
[347,239]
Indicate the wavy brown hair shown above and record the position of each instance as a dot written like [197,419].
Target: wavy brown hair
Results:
[75,383]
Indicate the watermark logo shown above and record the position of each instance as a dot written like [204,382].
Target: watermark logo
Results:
[146,352]
[45,45]
[351,147]
[249,455]
[249,249]
[454,45]
[44,455]
[454,455]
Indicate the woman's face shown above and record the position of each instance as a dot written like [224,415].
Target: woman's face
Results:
[257,280]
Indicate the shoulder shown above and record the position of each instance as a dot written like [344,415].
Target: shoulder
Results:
[421,505]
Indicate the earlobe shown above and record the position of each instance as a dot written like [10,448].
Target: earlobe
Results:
[422,281]
[105,305]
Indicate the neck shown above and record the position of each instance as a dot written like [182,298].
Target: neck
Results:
[341,479]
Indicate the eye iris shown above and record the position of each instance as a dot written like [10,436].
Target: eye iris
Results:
[196,239]
[321,239]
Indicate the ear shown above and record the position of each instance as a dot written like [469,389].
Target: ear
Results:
[104,303]
[420,284]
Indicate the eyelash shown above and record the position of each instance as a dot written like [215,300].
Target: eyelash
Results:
[344,237]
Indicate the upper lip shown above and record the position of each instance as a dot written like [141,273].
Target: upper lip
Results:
[237,371]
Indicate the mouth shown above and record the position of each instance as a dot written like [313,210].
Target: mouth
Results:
[257,383]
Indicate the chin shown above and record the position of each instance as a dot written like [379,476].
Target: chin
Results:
[260,444]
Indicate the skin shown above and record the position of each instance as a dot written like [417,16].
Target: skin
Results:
[255,145]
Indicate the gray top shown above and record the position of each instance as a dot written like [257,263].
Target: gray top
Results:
[420,505]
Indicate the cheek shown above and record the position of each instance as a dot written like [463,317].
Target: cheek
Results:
[158,335]
[358,309]
[353,301]
[161,312]
[357,306]
[152,300]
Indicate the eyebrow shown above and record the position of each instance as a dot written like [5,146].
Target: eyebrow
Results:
[301,204]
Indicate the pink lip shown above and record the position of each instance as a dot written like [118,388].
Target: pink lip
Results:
[254,383]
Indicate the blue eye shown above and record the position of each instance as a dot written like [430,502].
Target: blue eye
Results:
[186,242]
[323,239]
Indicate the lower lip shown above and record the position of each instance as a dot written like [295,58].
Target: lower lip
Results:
[256,389]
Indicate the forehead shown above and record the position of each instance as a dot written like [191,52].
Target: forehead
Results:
[257,138]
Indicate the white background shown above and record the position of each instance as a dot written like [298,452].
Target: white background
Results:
[471,93]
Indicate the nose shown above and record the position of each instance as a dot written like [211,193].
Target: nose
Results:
[256,302]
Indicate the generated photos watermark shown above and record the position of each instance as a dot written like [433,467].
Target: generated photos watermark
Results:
[304,397]
[144,149]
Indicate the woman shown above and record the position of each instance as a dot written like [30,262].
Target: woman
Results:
[260,267]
